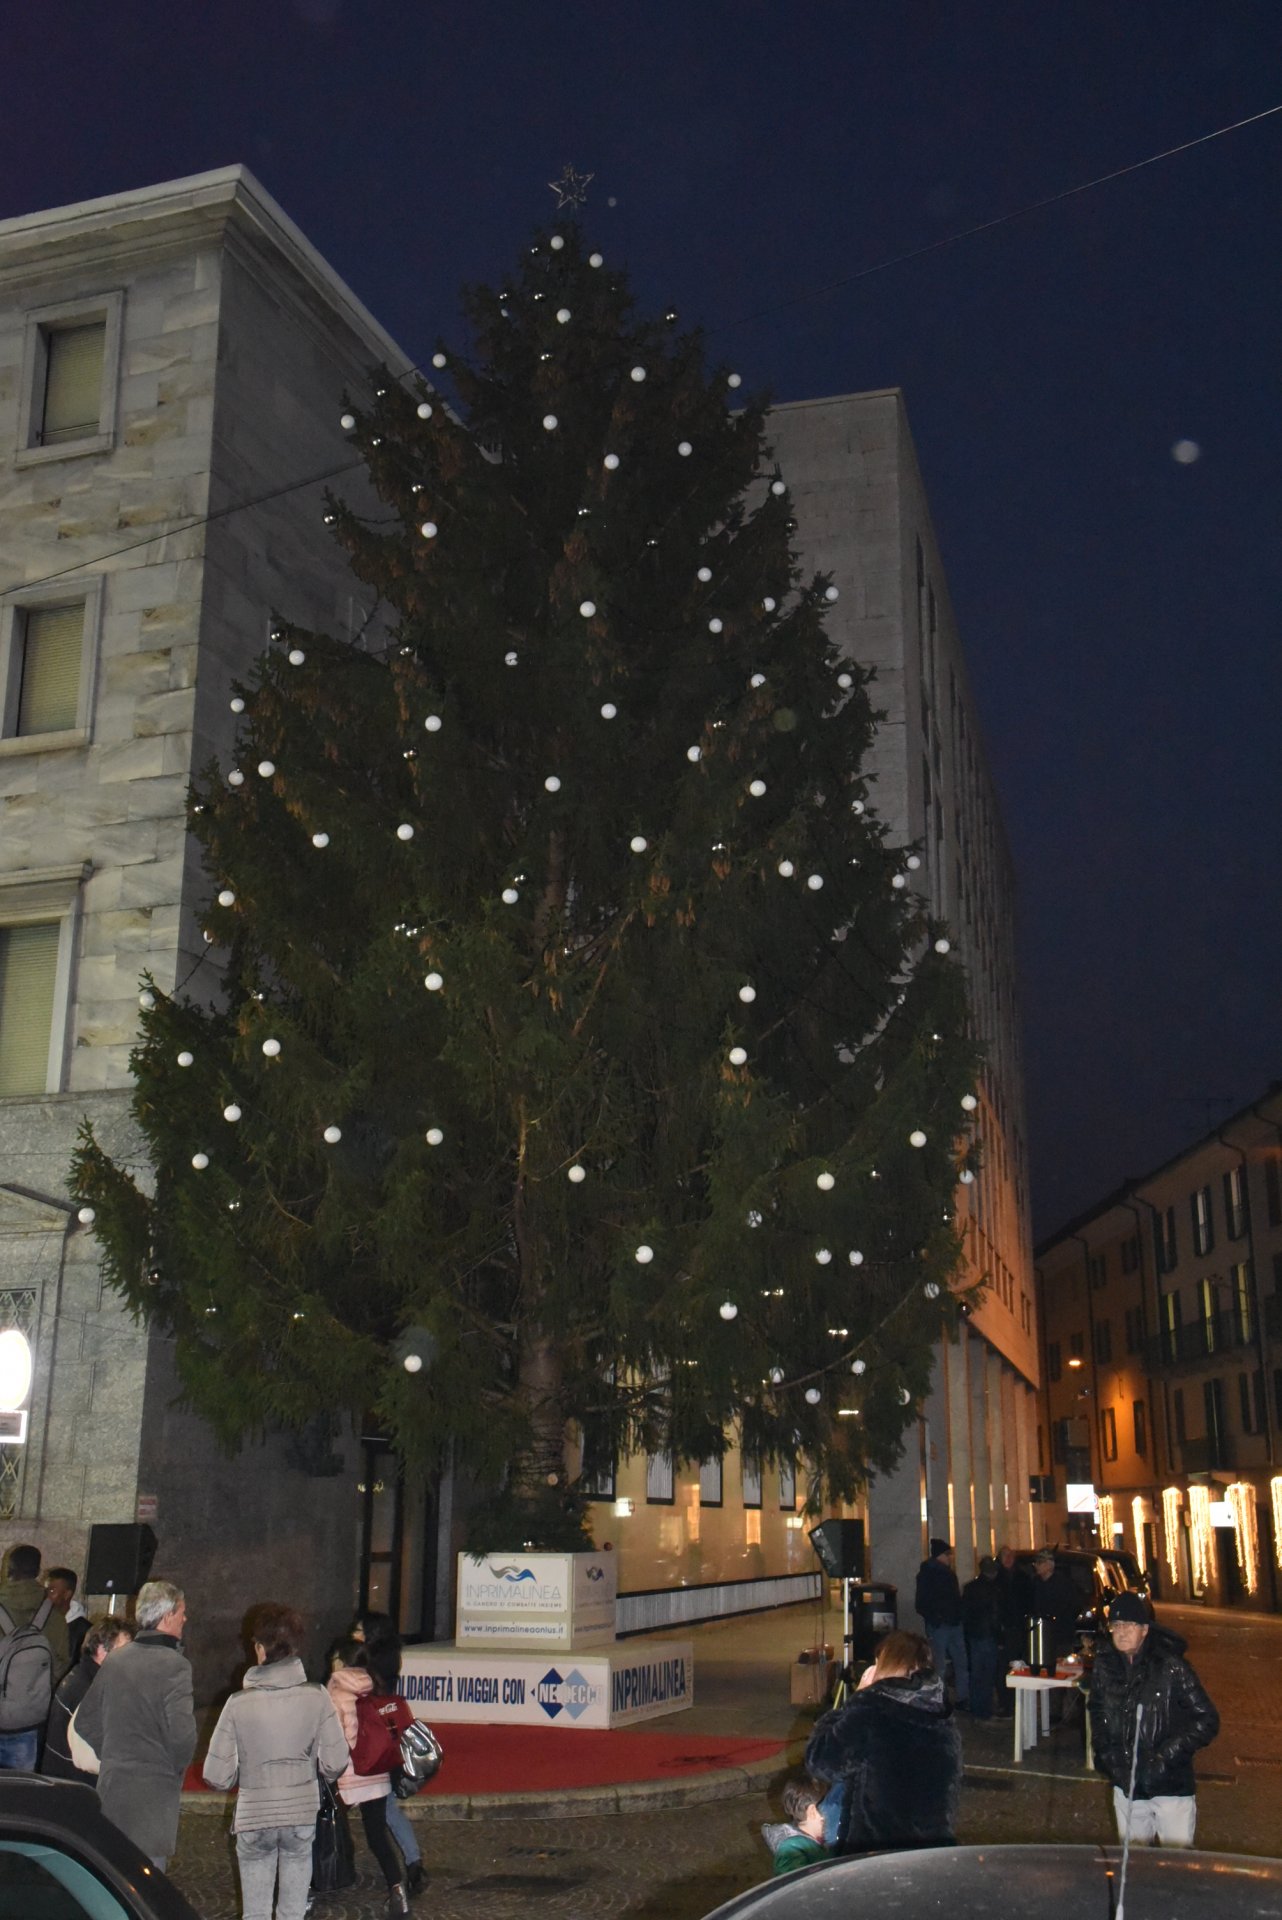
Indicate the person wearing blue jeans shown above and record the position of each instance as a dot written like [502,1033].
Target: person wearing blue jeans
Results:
[938,1601]
[401,1829]
[18,1750]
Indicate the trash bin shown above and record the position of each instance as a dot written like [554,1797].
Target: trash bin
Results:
[874,1612]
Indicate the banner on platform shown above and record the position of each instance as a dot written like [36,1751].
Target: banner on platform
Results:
[608,1689]
[537,1599]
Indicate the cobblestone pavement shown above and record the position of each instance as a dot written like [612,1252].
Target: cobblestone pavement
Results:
[679,1865]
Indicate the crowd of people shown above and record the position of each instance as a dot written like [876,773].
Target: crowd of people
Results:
[108,1702]
[885,1766]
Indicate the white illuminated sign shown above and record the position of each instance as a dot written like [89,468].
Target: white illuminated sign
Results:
[1079,1496]
[15,1370]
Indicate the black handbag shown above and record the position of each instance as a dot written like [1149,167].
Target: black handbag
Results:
[333,1857]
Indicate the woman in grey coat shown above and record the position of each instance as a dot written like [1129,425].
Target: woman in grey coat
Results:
[273,1736]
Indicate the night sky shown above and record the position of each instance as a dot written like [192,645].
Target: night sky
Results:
[1119,609]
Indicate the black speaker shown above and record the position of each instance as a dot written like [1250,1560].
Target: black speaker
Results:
[840,1546]
[120,1558]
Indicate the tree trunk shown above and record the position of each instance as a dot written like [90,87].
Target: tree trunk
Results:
[539,1393]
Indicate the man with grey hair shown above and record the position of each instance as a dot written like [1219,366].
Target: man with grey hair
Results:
[138,1719]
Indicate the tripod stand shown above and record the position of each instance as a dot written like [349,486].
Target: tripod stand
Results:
[845,1683]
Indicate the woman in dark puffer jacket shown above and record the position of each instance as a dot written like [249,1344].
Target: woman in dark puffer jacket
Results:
[893,1754]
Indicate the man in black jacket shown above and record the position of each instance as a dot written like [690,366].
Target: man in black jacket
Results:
[938,1601]
[1141,1686]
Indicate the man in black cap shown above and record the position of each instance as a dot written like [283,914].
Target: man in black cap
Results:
[938,1601]
[1149,1715]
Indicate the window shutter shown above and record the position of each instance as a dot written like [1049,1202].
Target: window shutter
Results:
[28,961]
[53,642]
[73,382]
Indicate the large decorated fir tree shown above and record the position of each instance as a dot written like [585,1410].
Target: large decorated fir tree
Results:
[582,1057]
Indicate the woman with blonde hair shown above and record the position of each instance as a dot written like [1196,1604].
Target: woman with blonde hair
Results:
[892,1754]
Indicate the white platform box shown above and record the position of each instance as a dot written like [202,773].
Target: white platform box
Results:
[546,1600]
[597,1687]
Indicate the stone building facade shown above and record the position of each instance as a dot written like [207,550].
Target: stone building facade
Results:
[171,363]
[1162,1320]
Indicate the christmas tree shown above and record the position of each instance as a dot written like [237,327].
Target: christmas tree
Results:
[582,1058]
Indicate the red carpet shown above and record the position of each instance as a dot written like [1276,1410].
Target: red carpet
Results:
[494,1759]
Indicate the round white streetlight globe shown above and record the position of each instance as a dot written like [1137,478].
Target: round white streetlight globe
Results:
[347,421]
[705,574]
[563,314]
[715,625]
[146,1000]
[943,946]
[438,360]
[237,705]
[596,259]
[296,656]
[859,1366]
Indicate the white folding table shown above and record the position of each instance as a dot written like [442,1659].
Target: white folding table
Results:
[1033,1706]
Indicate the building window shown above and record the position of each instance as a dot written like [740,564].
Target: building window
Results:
[1171,1326]
[1273,1193]
[1166,1250]
[1108,1433]
[1054,1365]
[1097,1264]
[710,1483]
[1139,1423]
[599,1471]
[1131,1254]
[1134,1329]
[1235,1202]
[787,1486]
[1177,1409]
[1277,1273]
[750,1474]
[1203,1226]
[1076,1342]
[659,1480]
[1103,1341]
[38,915]
[1216,1424]
[1244,1402]
[1243,1302]
[70,374]
[48,652]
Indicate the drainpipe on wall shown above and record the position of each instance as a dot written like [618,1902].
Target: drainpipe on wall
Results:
[1133,1210]
[1095,1438]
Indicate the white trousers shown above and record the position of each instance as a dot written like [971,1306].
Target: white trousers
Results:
[1169,1819]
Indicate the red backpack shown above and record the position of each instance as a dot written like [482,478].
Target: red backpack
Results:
[381,1718]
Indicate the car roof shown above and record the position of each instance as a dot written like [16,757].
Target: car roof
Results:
[31,1804]
[973,1883]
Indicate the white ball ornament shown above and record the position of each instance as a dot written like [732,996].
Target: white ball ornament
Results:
[855,1258]
[844,681]
[754,1218]
[296,656]
[320,840]
[931,1289]
[576,1174]
[347,421]
[966,1177]
[549,423]
[814,881]
[684,449]
[200,1161]
[728,1310]
[237,705]
[694,753]
[638,374]
[638,843]
[587,608]
[596,259]
[429,529]
[916,1138]
[510,896]
[186,1059]
[438,360]
[332,1136]
[552,784]
[813,1396]
[734,379]
[644,1255]
[776,1376]
[611,463]
[825,1182]
[434,1136]
[705,574]
[832,593]
[146,1000]
[235,778]
[777,486]
[904,1396]
[433,723]
[823,1257]
[231,1113]
[609,710]
[756,788]
[747,995]
[715,625]
[413,1363]
[405,831]
[943,946]
[86,1216]
[969,1102]
[434,982]
[563,315]
[510,659]
[859,1366]
[738,1056]
[556,242]
[266,768]
[786,868]
[899,880]
[271,1048]
[913,862]
[424,409]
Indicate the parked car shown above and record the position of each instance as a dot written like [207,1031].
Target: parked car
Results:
[1098,1574]
[62,1859]
[974,1883]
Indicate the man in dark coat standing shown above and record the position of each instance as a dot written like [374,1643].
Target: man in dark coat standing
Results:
[105,1636]
[938,1601]
[1053,1597]
[1148,1708]
[982,1625]
[138,1719]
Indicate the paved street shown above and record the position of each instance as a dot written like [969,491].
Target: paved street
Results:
[677,1865]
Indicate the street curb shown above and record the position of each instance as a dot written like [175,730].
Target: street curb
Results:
[578,1803]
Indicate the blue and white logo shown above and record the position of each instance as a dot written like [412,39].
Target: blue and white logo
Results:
[571,1693]
[513,1574]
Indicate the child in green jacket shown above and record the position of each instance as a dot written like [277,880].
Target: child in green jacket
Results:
[797,1841]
